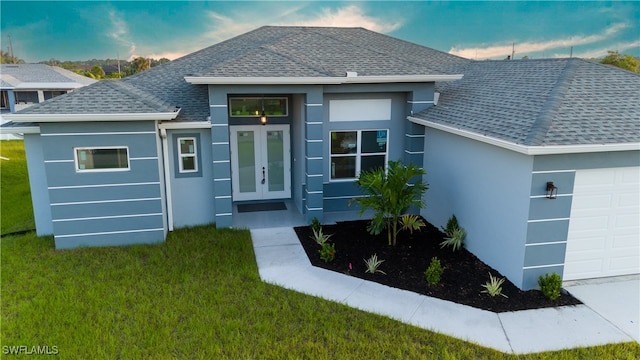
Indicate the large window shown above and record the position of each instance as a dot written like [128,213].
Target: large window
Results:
[356,151]
[187,154]
[102,159]
[252,106]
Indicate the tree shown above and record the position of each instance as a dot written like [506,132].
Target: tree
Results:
[6,58]
[140,64]
[97,72]
[389,194]
[626,62]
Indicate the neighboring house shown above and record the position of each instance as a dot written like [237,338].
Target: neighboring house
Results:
[23,85]
[122,162]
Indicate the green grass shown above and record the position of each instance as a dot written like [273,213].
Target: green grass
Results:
[199,296]
[16,211]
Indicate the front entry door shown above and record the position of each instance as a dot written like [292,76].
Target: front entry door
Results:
[260,162]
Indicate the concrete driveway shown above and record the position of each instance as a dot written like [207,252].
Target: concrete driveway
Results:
[616,299]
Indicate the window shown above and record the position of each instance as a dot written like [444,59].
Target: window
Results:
[187,154]
[26,97]
[356,151]
[252,106]
[53,93]
[102,159]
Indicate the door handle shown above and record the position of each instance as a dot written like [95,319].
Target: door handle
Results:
[263,177]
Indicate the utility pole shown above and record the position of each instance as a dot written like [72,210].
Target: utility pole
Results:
[119,75]
[513,51]
[11,50]
[571,52]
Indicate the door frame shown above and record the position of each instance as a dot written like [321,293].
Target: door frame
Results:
[260,155]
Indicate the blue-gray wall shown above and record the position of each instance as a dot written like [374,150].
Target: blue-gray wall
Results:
[38,184]
[488,189]
[192,197]
[548,224]
[104,208]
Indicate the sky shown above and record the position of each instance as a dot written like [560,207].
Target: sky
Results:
[83,30]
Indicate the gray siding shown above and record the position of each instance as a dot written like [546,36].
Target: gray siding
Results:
[104,208]
[487,188]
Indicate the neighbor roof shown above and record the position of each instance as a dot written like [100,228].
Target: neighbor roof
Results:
[40,77]
[552,102]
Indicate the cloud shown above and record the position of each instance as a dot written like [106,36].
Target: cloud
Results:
[522,48]
[119,31]
[227,26]
[622,47]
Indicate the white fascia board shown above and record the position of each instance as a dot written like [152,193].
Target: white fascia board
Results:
[48,86]
[20,130]
[40,118]
[185,125]
[215,80]
[529,150]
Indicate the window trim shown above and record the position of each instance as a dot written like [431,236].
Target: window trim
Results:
[358,153]
[77,163]
[181,156]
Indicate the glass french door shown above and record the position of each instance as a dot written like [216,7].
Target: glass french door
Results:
[260,162]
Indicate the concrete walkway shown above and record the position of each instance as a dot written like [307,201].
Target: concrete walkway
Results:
[283,262]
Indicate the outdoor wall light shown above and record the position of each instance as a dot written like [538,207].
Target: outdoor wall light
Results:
[552,190]
[263,118]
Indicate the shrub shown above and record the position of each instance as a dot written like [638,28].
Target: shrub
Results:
[411,222]
[328,252]
[433,274]
[315,224]
[455,239]
[452,224]
[319,237]
[389,195]
[493,287]
[373,263]
[550,285]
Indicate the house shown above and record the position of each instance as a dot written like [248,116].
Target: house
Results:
[22,85]
[297,112]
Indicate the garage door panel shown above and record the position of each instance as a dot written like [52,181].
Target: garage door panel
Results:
[604,228]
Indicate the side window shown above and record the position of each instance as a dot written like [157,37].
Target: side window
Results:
[187,155]
[355,151]
[102,159]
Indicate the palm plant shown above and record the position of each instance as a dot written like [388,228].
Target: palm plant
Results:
[389,194]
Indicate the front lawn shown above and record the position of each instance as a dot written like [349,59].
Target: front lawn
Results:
[16,212]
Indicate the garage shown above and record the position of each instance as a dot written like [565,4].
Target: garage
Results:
[604,227]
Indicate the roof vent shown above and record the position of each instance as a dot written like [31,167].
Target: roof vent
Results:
[352,74]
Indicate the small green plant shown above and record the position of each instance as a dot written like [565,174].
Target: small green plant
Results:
[455,239]
[373,263]
[319,237]
[433,274]
[389,194]
[328,252]
[550,285]
[411,223]
[493,287]
[315,224]
[452,224]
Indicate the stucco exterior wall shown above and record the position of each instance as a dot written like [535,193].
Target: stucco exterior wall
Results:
[488,189]
[104,208]
[192,193]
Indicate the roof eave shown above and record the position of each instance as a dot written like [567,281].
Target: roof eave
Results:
[529,150]
[46,118]
[318,80]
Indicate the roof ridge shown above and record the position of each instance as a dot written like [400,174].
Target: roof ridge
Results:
[142,95]
[381,52]
[544,120]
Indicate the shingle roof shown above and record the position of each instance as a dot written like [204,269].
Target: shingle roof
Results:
[23,75]
[542,102]
[89,100]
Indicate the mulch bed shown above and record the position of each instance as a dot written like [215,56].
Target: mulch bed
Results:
[405,264]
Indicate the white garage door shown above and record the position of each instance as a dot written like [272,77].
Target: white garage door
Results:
[604,230]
